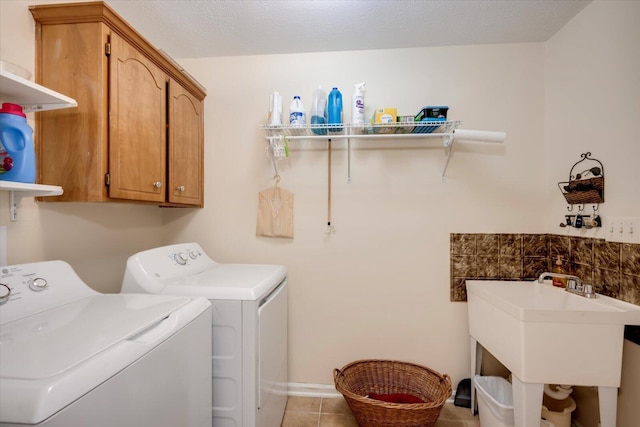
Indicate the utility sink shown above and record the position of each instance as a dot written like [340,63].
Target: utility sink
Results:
[545,335]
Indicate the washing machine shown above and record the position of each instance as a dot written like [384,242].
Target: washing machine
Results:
[70,356]
[249,326]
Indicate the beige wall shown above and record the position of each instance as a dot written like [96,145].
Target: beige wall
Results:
[592,92]
[378,287]
[592,104]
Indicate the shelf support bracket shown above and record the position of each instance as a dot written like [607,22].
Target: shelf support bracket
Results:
[349,160]
[447,141]
[18,190]
[14,199]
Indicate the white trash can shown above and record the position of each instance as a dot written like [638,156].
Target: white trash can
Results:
[495,402]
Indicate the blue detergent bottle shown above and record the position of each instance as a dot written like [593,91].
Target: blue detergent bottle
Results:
[17,157]
[334,109]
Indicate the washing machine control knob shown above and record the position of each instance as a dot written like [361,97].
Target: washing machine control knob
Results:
[5,293]
[181,258]
[38,284]
[193,254]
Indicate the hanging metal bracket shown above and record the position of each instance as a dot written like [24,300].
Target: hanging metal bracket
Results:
[447,142]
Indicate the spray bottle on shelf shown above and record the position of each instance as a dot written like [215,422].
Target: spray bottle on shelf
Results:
[319,110]
[275,109]
[297,114]
[357,104]
[334,109]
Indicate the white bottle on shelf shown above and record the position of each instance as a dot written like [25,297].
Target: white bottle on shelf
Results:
[357,104]
[297,114]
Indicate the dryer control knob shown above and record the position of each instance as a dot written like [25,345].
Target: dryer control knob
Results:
[181,258]
[5,293]
[38,284]
[193,254]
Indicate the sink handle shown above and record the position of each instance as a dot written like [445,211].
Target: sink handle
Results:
[588,291]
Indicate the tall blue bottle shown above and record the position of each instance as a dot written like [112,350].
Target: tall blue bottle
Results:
[334,110]
[17,157]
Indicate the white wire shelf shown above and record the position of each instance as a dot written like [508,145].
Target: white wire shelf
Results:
[278,136]
[346,130]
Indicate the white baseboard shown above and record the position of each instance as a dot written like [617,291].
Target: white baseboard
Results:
[312,390]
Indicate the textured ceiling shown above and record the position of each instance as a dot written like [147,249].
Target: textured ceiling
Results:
[210,28]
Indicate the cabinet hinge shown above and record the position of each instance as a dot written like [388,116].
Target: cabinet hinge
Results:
[107,49]
[107,179]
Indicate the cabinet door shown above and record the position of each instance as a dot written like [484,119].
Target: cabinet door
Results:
[72,143]
[186,141]
[137,125]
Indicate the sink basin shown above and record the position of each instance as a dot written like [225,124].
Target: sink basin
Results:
[536,302]
[538,331]
[545,335]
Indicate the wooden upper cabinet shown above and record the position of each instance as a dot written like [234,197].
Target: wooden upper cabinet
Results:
[137,133]
[186,143]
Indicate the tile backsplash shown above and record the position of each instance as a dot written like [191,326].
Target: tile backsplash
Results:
[613,268]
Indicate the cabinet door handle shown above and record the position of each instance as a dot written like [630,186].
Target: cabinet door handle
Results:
[157,184]
[180,188]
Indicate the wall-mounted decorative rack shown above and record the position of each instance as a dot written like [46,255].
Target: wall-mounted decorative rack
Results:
[585,186]
[586,182]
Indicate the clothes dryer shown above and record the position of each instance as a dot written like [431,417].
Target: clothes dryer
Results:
[70,356]
[249,326]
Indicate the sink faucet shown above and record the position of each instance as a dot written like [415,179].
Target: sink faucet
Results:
[574,284]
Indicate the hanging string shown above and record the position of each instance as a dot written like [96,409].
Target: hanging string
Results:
[330,228]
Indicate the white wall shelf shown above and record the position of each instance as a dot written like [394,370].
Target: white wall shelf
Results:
[18,190]
[370,131]
[30,95]
[447,131]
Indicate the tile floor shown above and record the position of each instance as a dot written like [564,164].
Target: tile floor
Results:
[334,412]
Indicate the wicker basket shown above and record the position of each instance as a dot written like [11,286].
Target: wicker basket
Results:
[583,191]
[360,378]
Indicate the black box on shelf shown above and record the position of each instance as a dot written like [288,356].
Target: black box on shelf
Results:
[432,112]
